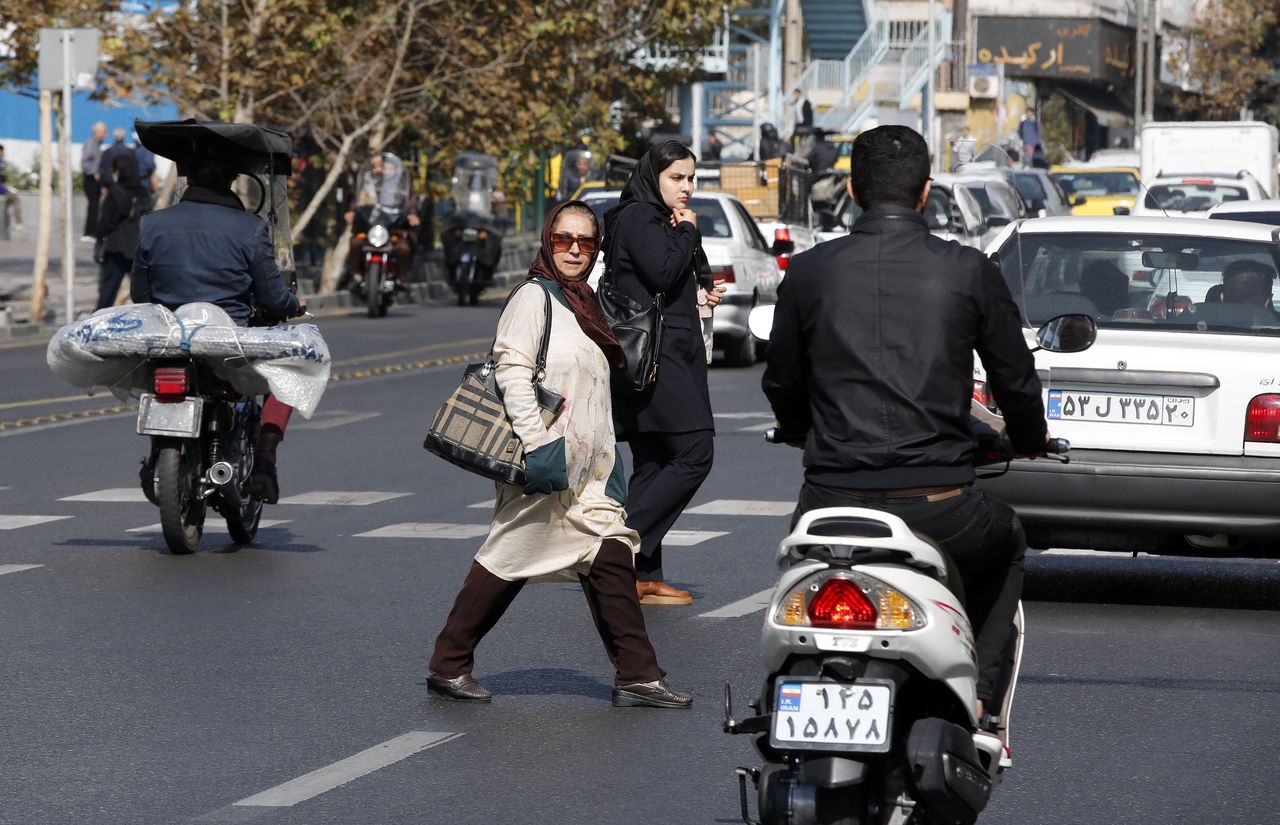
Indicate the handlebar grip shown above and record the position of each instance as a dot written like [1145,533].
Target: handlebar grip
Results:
[773,435]
[1057,446]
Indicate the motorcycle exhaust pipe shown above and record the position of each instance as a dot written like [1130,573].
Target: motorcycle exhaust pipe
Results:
[221,473]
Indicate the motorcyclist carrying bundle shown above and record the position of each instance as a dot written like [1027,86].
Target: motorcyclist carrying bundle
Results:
[870,369]
[208,248]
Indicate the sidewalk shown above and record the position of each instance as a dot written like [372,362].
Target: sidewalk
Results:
[17,257]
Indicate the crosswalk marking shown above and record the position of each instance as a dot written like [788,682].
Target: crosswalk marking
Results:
[17,568]
[119,495]
[744,415]
[212,526]
[335,418]
[743,607]
[345,770]
[340,499]
[688,538]
[738,507]
[487,504]
[425,530]
[18,522]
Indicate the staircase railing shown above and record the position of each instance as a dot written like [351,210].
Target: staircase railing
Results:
[916,62]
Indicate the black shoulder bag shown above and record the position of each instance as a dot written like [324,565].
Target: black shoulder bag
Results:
[637,326]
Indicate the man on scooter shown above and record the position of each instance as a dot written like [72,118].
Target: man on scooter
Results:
[870,370]
[208,248]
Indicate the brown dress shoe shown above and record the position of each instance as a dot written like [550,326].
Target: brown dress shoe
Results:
[462,689]
[655,694]
[662,593]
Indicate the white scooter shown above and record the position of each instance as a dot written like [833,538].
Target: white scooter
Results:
[868,712]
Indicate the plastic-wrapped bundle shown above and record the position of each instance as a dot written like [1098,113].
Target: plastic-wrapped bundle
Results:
[110,348]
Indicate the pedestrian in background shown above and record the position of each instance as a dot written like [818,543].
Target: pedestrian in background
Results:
[712,147]
[568,517]
[118,147]
[966,148]
[8,200]
[124,200]
[146,164]
[803,110]
[771,146]
[1029,134]
[654,249]
[91,166]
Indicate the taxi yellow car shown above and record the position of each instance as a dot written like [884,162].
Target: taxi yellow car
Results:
[1104,188]
[844,145]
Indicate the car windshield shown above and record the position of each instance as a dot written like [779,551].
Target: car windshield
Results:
[1029,186]
[1190,196]
[1096,184]
[991,201]
[712,220]
[1164,282]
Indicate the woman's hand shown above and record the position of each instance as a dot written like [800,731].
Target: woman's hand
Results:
[545,469]
[678,215]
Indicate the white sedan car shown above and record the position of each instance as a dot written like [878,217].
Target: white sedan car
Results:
[1174,413]
[739,257]
[1192,196]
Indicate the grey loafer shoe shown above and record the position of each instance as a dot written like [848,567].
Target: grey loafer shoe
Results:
[655,694]
[462,689]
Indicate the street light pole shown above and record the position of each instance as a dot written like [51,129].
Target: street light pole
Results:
[929,106]
[68,249]
[1138,100]
[1153,16]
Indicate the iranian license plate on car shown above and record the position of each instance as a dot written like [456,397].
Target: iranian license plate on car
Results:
[180,419]
[1122,408]
[815,715]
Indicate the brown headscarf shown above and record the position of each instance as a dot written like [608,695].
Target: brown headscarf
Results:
[582,300]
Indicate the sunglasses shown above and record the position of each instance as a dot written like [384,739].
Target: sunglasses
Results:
[563,242]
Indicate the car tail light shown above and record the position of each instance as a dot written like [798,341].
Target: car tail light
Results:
[1198,181]
[1262,421]
[782,235]
[982,394]
[1160,306]
[723,273]
[848,601]
[171,383]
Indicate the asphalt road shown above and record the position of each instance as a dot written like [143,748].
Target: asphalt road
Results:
[285,682]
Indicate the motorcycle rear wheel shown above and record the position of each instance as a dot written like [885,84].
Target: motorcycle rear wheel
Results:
[373,290]
[181,507]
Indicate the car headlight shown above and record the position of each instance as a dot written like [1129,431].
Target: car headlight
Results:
[378,235]
[470,234]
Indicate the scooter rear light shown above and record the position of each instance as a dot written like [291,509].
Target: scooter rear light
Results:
[1262,421]
[841,604]
[171,383]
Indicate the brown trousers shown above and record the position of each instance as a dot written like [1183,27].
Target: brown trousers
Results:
[610,588]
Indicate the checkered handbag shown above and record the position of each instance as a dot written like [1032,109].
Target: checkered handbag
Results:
[472,430]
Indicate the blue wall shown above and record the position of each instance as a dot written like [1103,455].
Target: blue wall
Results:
[20,116]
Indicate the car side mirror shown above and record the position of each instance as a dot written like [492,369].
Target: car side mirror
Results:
[1078,200]
[1067,333]
[1120,210]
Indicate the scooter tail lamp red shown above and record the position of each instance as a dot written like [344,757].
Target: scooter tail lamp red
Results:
[840,603]
[171,383]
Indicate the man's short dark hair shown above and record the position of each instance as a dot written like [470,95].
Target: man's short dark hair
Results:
[210,173]
[1247,282]
[889,164]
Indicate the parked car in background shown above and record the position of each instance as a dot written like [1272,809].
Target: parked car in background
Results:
[1192,196]
[1261,211]
[1174,413]
[1103,188]
[1189,168]
[1040,193]
[739,256]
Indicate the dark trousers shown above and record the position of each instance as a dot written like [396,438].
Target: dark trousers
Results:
[114,267]
[91,191]
[985,540]
[666,470]
[610,588]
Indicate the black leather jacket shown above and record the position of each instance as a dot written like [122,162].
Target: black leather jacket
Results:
[871,356]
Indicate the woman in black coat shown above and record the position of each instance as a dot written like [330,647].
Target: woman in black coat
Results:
[123,202]
[653,247]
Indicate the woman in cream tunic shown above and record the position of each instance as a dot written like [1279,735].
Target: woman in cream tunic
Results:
[568,518]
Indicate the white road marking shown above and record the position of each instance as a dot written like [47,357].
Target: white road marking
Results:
[754,428]
[688,538]
[743,607]
[425,530]
[17,568]
[744,415]
[17,522]
[483,505]
[212,526]
[119,495]
[340,499]
[736,507]
[336,419]
[343,771]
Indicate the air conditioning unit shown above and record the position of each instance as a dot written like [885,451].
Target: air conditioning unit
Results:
[984,85]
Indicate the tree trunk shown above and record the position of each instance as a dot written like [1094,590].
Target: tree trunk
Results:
[335,261]
[44,224]
[68,226]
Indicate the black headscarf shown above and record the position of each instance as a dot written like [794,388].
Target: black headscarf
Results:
[642,188]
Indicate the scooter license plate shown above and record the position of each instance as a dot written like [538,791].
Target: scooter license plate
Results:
[180,419]
[811,714]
